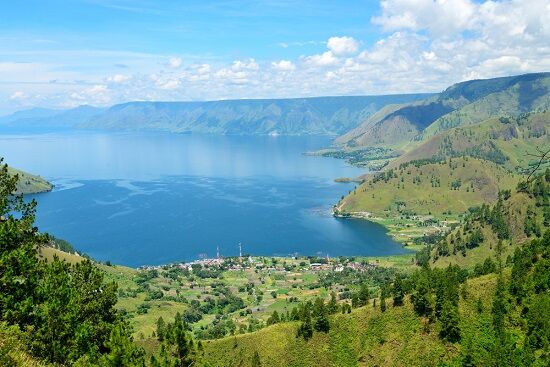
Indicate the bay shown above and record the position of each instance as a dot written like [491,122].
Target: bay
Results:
[151,198]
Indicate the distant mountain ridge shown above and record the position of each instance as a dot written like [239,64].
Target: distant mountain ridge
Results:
[463,103]
[297,116]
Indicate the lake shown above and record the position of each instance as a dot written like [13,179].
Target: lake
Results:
[150,198]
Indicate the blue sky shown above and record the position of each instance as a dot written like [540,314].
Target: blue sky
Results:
[220,29]
[61,54]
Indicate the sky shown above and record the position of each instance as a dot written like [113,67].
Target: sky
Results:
[62,54]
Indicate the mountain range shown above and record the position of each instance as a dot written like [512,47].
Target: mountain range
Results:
[299,116]
[470,102]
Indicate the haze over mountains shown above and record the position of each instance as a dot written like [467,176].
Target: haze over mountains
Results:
[386,120]
[301,116]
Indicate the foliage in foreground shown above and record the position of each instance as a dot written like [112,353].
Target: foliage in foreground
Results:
[63,314]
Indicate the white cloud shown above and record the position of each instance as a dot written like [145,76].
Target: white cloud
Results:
[325,59]
[175,62]
[118,78]
[424,45]
[17,96]
[169,84]
[342,46]
[202,69]
[249,64]
[283,65]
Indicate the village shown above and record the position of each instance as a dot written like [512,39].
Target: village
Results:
[277,264]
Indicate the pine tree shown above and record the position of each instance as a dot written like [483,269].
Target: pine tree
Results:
[398,292]
[450,330]
[161,325]
[122,350]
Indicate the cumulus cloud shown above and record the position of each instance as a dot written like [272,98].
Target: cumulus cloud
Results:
[249,64]
[496,20]
[175,62]
[423,45]
[325,59]
[169,84]
[283,65]
[342,46]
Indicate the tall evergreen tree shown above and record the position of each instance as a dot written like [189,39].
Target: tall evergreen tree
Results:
[398,291]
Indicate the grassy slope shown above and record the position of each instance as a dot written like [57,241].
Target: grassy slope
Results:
[30,184]
[383,198]
[366,337]
[468,103]
[511,101]
[516,209]
[368,123]
[514,139]
[11,351]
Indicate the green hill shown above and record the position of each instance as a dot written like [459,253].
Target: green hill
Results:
[463,103]
[30,184]
[448,317]
[518,216]
[507,141]
[429,188]
[511,96]
[366,337]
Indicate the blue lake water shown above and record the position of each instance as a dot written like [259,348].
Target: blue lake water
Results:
[137,198]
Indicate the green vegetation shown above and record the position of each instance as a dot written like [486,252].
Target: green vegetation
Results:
[505,141]
[60,313]
[449,317]
[373,158]
[464,103]
[29,184]
[426,197]
[471,194]
[486,231]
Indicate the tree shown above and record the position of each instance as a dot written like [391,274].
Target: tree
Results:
[305,330]
[177,349]
[398,292]
[122,350]
[450,330]
[161,326]
[66,311]
[332,306]
[19,240]
[274,318]
[421,297]
[364,294]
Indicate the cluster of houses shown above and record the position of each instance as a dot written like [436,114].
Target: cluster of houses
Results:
[243,263]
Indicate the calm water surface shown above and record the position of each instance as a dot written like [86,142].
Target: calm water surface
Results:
[137,199]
